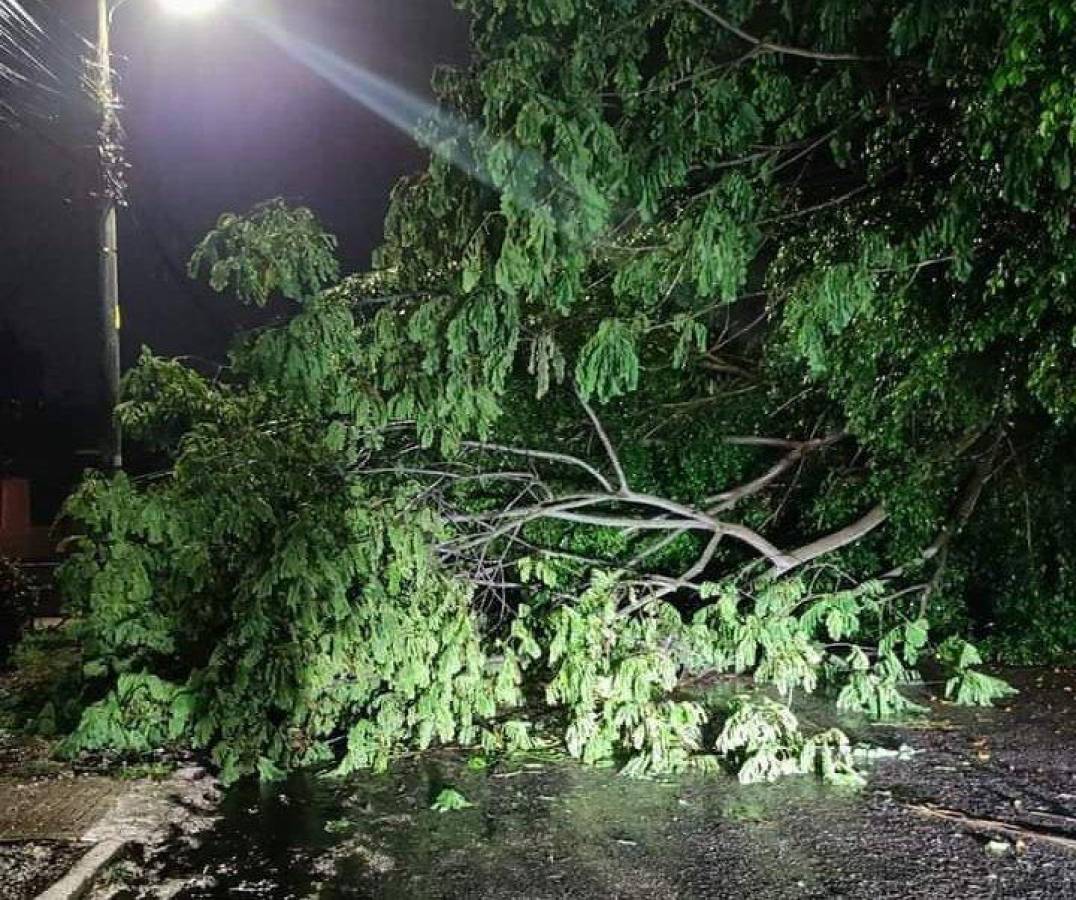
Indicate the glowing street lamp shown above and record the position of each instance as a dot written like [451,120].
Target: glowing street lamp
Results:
[190,7]
[108,241]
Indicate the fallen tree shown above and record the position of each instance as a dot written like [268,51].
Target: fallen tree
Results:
[707,342]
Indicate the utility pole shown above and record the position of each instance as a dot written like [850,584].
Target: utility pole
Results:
[108,243]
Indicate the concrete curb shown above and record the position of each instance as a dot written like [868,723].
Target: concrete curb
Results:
[139,815]
[78,881]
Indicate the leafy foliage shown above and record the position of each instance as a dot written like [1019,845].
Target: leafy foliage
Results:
[966,685]
[141,714]
[613,675]
[811,267]
[43,693]
[17,600]
[450,800]
[763,736]
[339,616]
[274,249]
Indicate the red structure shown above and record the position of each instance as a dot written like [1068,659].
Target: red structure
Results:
[19,539]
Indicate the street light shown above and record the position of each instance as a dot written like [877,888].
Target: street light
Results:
[108,239]
[190,7]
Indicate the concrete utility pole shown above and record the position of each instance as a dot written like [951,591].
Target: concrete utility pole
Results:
[108,246]
[112,185]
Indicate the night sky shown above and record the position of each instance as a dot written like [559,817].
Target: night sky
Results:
[217,118]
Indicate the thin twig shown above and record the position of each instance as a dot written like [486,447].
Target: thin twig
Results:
[546,455]
[610,450]
[768,47]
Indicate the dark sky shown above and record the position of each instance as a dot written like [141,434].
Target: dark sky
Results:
[217,119]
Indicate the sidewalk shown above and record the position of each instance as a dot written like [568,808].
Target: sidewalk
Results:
[59,829]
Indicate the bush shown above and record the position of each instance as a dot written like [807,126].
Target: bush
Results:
[17,601]
[42,694]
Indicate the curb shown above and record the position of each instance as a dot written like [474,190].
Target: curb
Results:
[77,882]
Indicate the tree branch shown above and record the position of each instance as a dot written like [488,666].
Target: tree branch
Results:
[767,47]
[847,535]
[939,547]
[677,517]
[564,458]
[663,524]
[817,207]
[607,444]
[1011,829]
[727,499]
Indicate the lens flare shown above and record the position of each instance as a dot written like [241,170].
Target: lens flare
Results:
[450,137]
[446,135]
[395,105]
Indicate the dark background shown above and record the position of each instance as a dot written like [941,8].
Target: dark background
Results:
[217,118]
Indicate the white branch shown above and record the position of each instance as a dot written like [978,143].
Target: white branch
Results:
[847,535]
[607,444]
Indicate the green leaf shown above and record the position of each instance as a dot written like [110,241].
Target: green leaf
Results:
[450,800]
